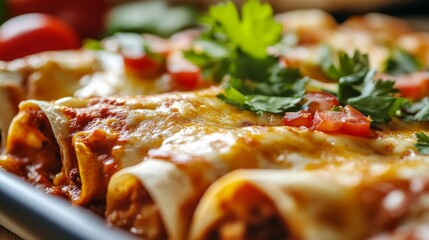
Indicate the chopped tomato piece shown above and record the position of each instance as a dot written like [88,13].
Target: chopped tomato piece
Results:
[184,74]
[319,101]
[414,85]
[328,121]
[142,55]
[186,80]
[143,64]
[298,119]
[356,123]
[348,121]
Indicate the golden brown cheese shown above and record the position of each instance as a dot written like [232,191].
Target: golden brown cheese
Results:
[185,142]
[73,146]
[93,138]
[82,73]
[196,158]
[340,203]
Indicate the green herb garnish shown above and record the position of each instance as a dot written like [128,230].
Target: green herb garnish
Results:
[234,47]
[282,92]
[417,111]
[349,68]
[377,99]
[422,143]
[401,62]
[358,88]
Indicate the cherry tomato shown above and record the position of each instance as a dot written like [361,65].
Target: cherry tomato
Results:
[85,16]
[298,119]
[185,75]
[348,121]
[319,101]
[32,33]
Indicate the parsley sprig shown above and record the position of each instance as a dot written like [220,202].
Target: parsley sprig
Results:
[417,111]
[401,62]
[422,143]
[358,87]
[234,47]
[282,92]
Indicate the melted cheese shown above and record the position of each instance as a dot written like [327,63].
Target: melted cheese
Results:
[206,154]
[188,150]
[320,204]
[117,132]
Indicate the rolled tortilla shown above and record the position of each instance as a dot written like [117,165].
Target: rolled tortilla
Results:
[195,159]
[44,76]
[323,204]
[80,73]
[72,146]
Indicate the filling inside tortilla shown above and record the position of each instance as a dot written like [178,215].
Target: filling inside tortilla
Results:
[134,209]
[33,152]
[248,214]
[77,166]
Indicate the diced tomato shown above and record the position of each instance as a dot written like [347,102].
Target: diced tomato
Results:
[143,65]
[328,121]
[184,74]
[319,101]
[414,85]
[348,121]
[143,55]
[356,123]
[298,119]
[186,80]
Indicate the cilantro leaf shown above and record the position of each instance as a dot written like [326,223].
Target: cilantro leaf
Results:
[211,57]
[254,32]
[273,104]
[283,91]
[401,62]
[422,143]
[377,99]
[351,69]
[234,44]
[234,48]
[381,109]
[283,82]
[358,88]
[260,103]
[418,111]
[245,66]
[234,97]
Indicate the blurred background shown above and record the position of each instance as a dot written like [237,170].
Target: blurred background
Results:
[99,18]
